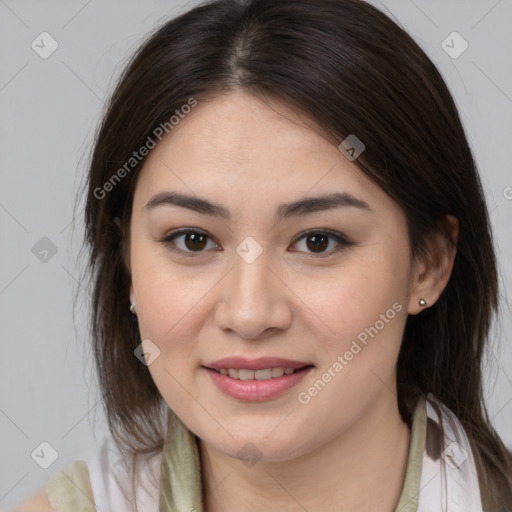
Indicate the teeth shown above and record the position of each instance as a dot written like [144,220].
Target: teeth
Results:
[265,374]
[277,372]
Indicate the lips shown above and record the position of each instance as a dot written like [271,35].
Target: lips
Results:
[262,363]
[247,387]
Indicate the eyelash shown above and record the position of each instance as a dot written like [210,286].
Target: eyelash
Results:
[341,239]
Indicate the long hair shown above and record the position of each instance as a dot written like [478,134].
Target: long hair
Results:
[349,69]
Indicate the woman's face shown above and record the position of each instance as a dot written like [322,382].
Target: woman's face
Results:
[266,281]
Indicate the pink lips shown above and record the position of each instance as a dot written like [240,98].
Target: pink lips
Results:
[256,390]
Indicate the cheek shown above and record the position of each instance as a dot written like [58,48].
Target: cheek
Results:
[158,290]
[168,303]
[172,305]
[363,301]
[168,313]
[362,311]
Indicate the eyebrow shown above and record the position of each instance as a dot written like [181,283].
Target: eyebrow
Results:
[298,208]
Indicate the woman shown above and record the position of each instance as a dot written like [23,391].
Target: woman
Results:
[294,274]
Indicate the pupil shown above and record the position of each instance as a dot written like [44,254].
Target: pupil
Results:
[319,242]
[192,238]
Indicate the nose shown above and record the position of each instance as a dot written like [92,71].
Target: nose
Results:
[254,299]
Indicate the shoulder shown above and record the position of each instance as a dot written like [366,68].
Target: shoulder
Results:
[70,488]
[39,502]
[102,482]
[66,490]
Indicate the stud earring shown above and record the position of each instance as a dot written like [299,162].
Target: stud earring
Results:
[423,302]
[132,308]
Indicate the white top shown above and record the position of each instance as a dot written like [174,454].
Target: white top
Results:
[441,472]
[111,480]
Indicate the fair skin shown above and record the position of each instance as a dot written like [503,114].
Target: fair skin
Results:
[346,449]
[348,441]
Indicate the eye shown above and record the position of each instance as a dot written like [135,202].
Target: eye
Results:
[193,241]
[317,241]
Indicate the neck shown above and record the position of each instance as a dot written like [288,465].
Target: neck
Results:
[363,468]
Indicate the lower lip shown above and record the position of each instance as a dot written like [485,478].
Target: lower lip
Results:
[253,390]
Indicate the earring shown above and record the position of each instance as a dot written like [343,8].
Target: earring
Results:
[132,308]
[423,302]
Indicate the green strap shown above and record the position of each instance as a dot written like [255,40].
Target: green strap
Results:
[180,484]
[408,501]
[70,489]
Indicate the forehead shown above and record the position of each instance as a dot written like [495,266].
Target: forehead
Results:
[236,149]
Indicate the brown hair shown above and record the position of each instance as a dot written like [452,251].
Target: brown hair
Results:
[351,70]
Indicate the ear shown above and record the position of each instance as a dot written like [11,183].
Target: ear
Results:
[432,271]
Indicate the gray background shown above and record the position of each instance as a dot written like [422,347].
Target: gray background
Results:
[50,108]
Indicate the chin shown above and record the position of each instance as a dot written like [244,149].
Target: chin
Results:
[251,449]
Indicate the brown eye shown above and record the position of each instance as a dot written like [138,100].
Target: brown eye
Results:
[195,241]
[187,242]
[191,242]
[317,243]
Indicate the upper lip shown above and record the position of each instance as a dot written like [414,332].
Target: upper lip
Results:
[255,364]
